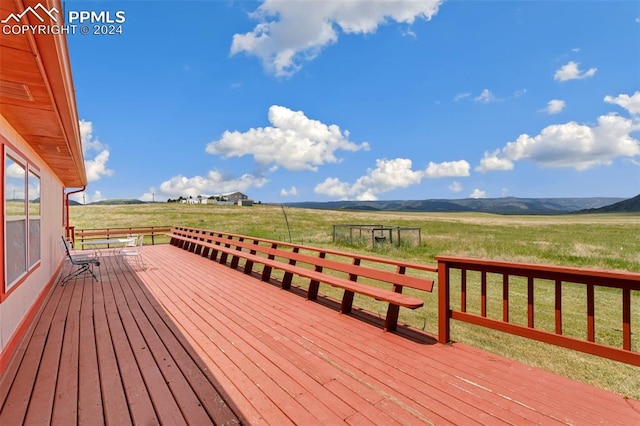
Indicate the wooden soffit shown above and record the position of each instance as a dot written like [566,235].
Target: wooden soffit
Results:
[36,88]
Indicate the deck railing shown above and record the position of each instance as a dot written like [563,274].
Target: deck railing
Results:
[614,290]
[152,233]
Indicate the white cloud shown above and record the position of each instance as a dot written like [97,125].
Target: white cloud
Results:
[485,97]
[16,171]
[390,174]
[84,198]
[97,196]
[293,32]
[519,93]
[574,145]
[448,169]
[478,194]
[214,183]
[630,103]
[293,191]
[96,167]
[455,186]
[387,176]
[577,145]
[295,142]
[555,106]
[492,162]
[89,143]
[570,71]
[334,188]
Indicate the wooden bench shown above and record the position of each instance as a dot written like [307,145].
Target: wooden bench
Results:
[101,233]
[312,263]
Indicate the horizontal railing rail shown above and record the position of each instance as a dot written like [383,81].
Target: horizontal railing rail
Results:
[590,282]
[153,233]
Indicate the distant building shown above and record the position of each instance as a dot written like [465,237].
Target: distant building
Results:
[234,197]
[226,199]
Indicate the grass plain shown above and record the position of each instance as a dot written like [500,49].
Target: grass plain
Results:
[605,241]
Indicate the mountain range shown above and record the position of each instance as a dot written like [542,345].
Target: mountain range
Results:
[507,205]
[632,205]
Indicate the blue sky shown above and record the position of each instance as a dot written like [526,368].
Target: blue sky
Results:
[331,100]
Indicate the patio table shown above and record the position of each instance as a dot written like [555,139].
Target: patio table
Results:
[99,245]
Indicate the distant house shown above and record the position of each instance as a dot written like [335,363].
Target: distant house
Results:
[234,197]
[245,203]
[42,164]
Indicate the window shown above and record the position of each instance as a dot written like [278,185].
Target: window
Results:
[16,219]
[22,219]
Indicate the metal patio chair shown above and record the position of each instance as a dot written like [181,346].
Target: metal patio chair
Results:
[134,251]
[81,263]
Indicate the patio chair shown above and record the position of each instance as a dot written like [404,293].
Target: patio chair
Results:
[67,245]
[134,251]
[82,263]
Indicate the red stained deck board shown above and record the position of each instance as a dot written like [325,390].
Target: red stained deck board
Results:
[41,403]
[187,332]
[271,357]
[553,397]
[166,407]
[477,388]
[320,361]
[186,361]
[259,369]
[131,373]
[165,379]
[114,400]
[16,402]
[188,401]
[255,405]
[89,393]
[65,408]
[391,384]
[548,393]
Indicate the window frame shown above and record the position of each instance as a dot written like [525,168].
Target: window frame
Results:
[31,263]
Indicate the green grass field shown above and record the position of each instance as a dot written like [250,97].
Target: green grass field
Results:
[610,242]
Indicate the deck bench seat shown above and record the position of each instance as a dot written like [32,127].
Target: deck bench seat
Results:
[275,255]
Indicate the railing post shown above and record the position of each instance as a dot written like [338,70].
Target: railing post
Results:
[558,306]
[314,285]
[444,318]
[530,303]
[288,276]
[626,319]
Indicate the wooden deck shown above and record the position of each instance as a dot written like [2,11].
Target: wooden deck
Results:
[187,340]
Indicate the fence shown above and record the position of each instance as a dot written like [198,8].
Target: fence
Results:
[614,290]
[377,234]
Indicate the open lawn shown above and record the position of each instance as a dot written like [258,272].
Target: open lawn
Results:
[609,242]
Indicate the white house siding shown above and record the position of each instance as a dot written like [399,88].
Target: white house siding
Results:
[16,305]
